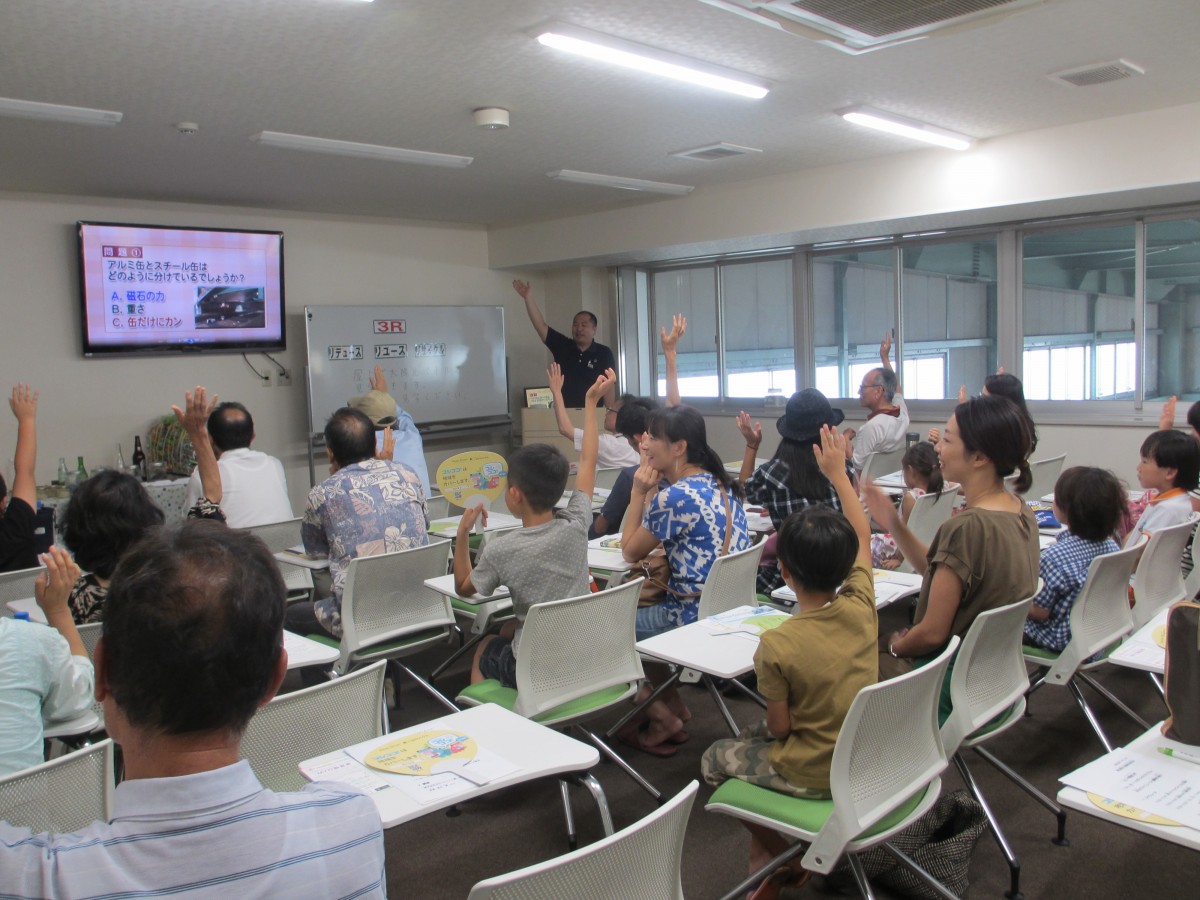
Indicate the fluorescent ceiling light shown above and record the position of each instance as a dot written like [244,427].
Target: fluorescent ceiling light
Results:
[631,55]
[54,112]
[366,151]
[910,128]
[615,181]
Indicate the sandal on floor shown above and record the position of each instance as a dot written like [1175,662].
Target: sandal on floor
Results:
[637,740]
[680,737]
[770,886]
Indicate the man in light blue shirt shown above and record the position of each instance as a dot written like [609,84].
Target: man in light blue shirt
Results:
[384,412]
[192,646]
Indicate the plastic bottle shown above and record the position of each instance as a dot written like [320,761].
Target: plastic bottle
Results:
[22,616]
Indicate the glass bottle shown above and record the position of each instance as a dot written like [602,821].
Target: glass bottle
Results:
[63,472]
[139,458]
[81,473]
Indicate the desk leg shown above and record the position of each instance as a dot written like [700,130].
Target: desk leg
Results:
[572,839]
[752,694]
[626,767]
[453,657]
[676,671]
[720,701]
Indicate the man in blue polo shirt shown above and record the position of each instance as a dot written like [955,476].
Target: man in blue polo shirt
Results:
[582,359]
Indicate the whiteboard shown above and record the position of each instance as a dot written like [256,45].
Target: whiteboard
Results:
[442,363]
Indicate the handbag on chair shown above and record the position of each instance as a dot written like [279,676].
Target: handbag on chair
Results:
[1182,676]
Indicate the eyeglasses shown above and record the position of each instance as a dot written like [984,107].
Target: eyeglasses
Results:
[867,387]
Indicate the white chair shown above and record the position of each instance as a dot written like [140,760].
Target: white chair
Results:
[1044,474]
[17,585]
[321,719]
[885,775]
[1158,579]
[987,689]
[279,536]
[928,514]
[640,861]
[437,506]
[882,462]
[578,658]
[389,613]
[607,477]
[63,795]
[1100,617]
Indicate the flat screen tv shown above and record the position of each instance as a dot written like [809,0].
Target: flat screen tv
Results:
[154,289]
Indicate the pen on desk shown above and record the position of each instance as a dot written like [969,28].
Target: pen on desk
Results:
[1185,755]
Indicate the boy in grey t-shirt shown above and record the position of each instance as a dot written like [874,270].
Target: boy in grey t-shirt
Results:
[544,560]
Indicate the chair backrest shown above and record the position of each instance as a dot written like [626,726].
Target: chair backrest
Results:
[17,585]
[321,719]
[641,860]
[1044,474]
[1158,578]
[1100,614]
[278,536]
[607,477]
[437,506]
[574,647]
[889,748]
[882,462]
[731,582]
[63,795]
[1191,584]
[989,672]
[928,514]
[90,634]
[385,598]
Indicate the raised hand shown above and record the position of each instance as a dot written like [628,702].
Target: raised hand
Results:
[962,393]
[388,450]
[522,288]
[53,587]
[197,408]
[670,339]
[378,382]
[555,376]
[1166,419]
[23,402]
[831,452]
[751,431]
[598,389]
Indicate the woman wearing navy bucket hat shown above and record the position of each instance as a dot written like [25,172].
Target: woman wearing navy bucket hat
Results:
[791,479]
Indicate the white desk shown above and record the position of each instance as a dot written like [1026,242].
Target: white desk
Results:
[890,586]
[599,495]
[482,611]
[759,520]
[1140,650]
[1077,799]
[84,723]
[734,467]
[604,556]
[295,556]
[540,752]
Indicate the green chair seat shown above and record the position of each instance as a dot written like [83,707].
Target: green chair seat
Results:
[803,815]
[492,691]
[996,724]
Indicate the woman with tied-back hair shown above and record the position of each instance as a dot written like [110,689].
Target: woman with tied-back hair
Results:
[984,557]
[696,517]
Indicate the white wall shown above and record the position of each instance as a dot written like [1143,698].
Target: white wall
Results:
[87,406]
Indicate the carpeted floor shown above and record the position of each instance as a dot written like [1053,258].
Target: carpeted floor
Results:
[442,856]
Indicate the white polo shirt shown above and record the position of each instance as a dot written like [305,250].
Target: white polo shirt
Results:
[253,487]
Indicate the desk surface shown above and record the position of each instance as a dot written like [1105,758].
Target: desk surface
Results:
[890,586]
[721,654]
[1136,819]
[1140,650]
[604,553]
[444,584]
[538,752]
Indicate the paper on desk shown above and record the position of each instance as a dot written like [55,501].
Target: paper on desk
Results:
[447,776]
[340,767]
[751,620]
[1146,779]
[1141,653]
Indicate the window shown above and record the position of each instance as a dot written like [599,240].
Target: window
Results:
[749,349]
[854,304]
[1078,307]
[924,376]
[1172,353]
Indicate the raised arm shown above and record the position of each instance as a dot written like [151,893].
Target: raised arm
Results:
[885,513]
[23,404]
[194,419]
[1166,419]
[555,376]
[669,340]
[752,432]
[51,590]
[885,353]
[831,459]
[585,475]
[378,381]
[531,307]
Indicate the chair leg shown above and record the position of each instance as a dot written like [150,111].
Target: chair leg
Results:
[626,767]
[752,881]
[1014,864]
[936,886]
[455,656]
[572,842]
[1091,716]
[658,691]
[588,781]
[860,877]
[1059,813]
[433,692]
[720,701]
[1112,698]
[1154,676]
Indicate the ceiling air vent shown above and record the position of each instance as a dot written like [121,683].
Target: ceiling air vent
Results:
[860,26]
[1098,73]
[710,152]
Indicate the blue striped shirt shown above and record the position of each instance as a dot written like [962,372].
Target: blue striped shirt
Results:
[211,834]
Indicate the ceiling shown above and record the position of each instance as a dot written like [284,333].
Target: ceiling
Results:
[408,73]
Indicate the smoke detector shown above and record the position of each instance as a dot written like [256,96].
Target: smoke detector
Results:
[187,127]
[493,118]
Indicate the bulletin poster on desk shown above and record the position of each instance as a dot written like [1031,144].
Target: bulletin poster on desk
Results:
[444,364]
